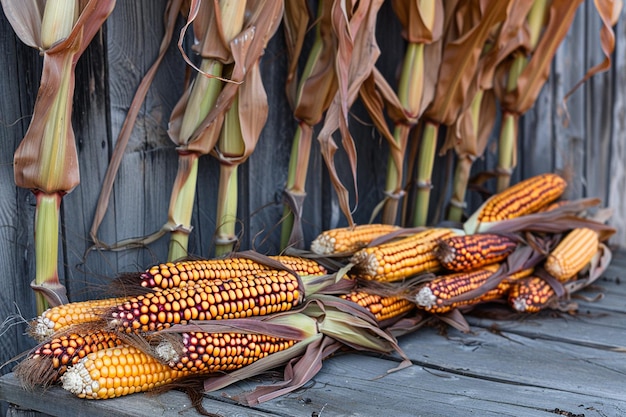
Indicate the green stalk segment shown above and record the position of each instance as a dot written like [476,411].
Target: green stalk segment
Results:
[464,165]
[296,178]
[507,150]
[410,91]
[424,172]
[230,144]
[46,243]
[181,205]
[225,237]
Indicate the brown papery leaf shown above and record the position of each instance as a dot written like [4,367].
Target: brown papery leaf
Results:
[45,160]
[460,62]
[512,35]
[415,30]
[247,47]
[315,91]
[609,11]
[357,54]
[534,76]
[296,19]
[464,138]
[373,100]
[25,19]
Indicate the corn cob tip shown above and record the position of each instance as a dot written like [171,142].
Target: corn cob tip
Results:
[166,352]
[323,245]
[519,304]
[425,298]
[75,379]
[41,329]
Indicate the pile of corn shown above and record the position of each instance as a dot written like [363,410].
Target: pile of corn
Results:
[467,267]
[117,346]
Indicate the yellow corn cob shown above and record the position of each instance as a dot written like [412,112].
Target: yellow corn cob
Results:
[553,206]
[530,295]
[47,362]
[61,317]
[201,352]
[175,274]
[572,253]
[302,266]
[383,308]
[525,197]
[401,258]
[436,296]
[348,240]
[265,293]
[467,252]
[115,372]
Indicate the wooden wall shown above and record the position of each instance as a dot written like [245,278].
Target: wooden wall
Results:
[590,144]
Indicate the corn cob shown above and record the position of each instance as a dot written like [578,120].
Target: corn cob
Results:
[437,295]
[572,253]
[115,372]
[348,240]
[530,295]
[265,293]
[382,307]
[302,266]
[47,362]
[553,206]
[467,252]
[201,352]
[175,274]
[525,197]
[400,258]
[61,317]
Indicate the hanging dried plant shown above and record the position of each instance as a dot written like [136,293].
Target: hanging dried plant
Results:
[46,161]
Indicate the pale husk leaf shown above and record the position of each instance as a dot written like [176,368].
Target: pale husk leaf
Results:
[25,19]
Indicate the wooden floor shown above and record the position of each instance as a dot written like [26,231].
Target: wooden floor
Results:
[545,365]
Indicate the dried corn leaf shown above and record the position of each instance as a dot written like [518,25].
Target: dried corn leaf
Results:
[609,11]
[460,62]
[247,48]
[46,159]
[25,19]
[417,26]
[535,74]
[312,93]
[357,53]
[296,23]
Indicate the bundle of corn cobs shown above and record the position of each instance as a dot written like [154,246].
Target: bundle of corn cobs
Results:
[224,320]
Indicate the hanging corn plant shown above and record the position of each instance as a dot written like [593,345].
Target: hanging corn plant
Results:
[46,161]
[521,78]
[422,23]
[471,131]
[310,95]
[467,30]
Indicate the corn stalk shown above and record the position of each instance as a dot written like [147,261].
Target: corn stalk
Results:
[521,79]
[310,96]
[246,117]
[463,46]
[422,23]
[46,161]
[471,131]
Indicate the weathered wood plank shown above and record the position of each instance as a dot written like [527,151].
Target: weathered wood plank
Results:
[143,184]
[348,386]
[517,359]
[617,185]
[570,122]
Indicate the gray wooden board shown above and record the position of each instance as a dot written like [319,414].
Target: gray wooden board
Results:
[522,360]
[347,386]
